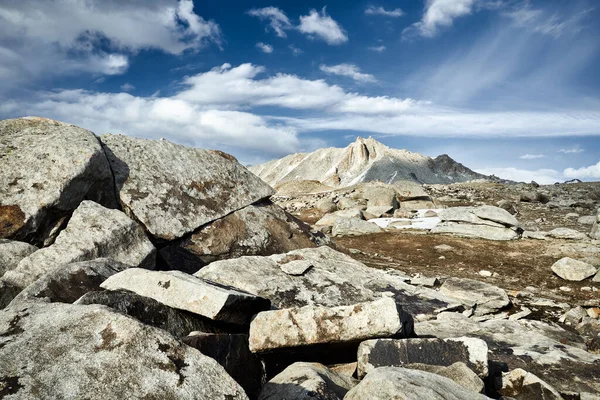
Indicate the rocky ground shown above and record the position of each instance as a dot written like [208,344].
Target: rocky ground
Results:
[133,268]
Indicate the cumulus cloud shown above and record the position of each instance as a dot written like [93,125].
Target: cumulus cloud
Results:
[265,48]
[378,49]
[372,10]
[439,14]
[349,70]
[278,21]
[593,171]
[321,25]
[127,87]
[531,156]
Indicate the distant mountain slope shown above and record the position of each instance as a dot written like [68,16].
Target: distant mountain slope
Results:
[362,161]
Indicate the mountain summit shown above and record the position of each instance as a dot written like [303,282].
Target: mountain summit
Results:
[363,160]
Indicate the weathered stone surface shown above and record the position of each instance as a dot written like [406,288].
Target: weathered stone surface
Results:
[508,206]
[330,219]
[187,292]
[12,252]
[307,381]
[69,282]
[573,270]
[93,232]
[64,351]
[543,349]
[485,222]
[567,233]
[391,382]
[458,372]
[353,226]
[231,351]
[48,168]
[380,195]
[520,384]
[470,215]
[443,352]
[8,292]
[475,231]
[309,325]
[151,312]
[326,205]
[259,229]
[586,220]
[485,298]
[334,280]
[378,211]
[172,189]
[496,214]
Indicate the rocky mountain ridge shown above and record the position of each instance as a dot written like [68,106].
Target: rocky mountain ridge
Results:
[364,160]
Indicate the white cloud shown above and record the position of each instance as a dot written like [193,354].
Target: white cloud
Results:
[127,87]
[439,14]
[531,156]
[593,171]
[322,26]
[378,49]
[265,48]
[295,51]
[278,21]
[349,70]
[554,24]
[372,10]
[571,151]
[542,176]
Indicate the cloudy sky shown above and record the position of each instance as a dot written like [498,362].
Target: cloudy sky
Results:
[510,87]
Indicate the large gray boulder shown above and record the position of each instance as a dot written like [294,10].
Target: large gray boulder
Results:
[485,222]
[310,325]
[442,352]
[335,279]
[64,351]
[353,227]
[522,385]
[459,372]
[48,168]
[567,234]
[12,252]
[476,231]
[595,232]
[259,229]
[93,232]
[307,381]
[387,383]
[573,270]
[380,195]
[172,189]
[546,350]
[186,292]
[483,297]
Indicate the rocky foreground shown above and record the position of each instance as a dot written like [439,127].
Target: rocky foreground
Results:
[134,268]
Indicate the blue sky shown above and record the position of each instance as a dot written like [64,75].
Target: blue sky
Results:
[510,87]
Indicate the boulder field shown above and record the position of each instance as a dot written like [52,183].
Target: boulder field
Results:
[142,269]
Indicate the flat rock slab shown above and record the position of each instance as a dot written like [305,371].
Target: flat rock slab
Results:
[48,168]
[310,325]
[151,312]
[64,351]
[335,279]
[353,226]
[186,292]
[543,349]
[573,270]
[484,297]
[478,231]
[484,215]
[442,352]
[232,352]
[387,383]
[567,234]
[12,252]
[93,232]
[172,189]
[259,229]
[307,381]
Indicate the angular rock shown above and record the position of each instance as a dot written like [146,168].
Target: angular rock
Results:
[330,219]
[595,232]
[379,195]
[69,282]
[93,232]
[458,372]
[508,206]
[475,231]
[346,203]
[326,205]
[485,298]
[259,229]
[8,292]
[353,226]
[310,325]
[496,214]
[307,381]
[573,270]
[391,382]
[12,252]
[334,280]
[520,384]
[48,168]
[231,351]
[151,312]
[186,292]
[544,349]
[587,220]
[485,222]
[567,233]
[64,351]
[172,189]
[442,352]
[378,211]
